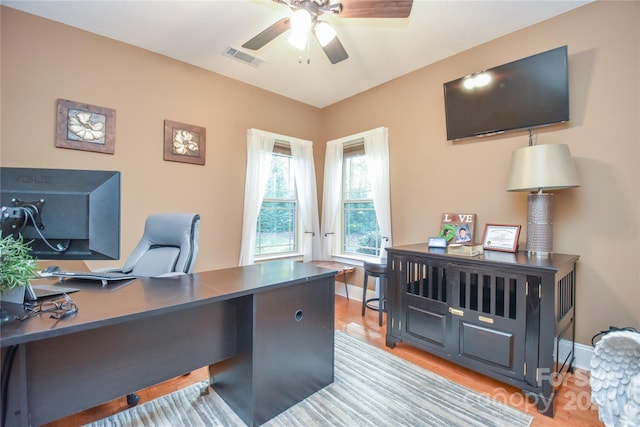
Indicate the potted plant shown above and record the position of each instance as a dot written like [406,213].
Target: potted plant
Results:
[17,267]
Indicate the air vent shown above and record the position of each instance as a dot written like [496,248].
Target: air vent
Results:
[243,56]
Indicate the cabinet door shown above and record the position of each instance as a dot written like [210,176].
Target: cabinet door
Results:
[293,345]
[425,301]
[488,311]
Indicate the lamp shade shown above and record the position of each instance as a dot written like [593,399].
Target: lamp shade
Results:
[301,20]
[324,32]
[542,167]
[298,38]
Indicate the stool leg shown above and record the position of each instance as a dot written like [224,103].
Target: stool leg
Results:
[364,292]
[382,296]
[346,285]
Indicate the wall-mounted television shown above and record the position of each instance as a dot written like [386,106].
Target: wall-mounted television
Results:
[523,94]
[63,213]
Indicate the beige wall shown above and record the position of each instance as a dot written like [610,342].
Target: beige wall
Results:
[43,61]
[599,220]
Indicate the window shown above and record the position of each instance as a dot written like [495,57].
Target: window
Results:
[280,216]
[356,207]
[360,230]
[276,230]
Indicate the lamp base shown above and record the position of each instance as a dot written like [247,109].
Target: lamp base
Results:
[533,254]
[540,224]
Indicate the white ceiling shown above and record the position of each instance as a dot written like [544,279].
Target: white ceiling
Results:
[199,32]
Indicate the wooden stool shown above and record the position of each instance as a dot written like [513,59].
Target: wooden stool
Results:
[378,270]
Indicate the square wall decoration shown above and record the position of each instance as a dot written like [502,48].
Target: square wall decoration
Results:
[184,143]
[85,127]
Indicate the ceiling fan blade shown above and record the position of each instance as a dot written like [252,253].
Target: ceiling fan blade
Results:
[335,51]
[376,9]
[269,34]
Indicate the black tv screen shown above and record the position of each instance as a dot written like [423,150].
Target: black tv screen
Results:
[524,94]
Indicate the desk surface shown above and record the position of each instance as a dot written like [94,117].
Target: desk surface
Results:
[128,336]
[120,302]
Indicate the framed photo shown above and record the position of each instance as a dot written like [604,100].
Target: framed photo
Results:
[457,227]
[85,127]
[184,143]
[501,237]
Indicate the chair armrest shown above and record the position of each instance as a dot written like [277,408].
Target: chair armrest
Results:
[172,274]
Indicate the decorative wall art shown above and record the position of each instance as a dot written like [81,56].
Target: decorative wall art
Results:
[85,127]
[184,143]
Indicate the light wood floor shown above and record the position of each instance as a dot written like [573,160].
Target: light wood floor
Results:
[573,407]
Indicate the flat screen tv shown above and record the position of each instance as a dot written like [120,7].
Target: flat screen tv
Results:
[65,214]
[524,94]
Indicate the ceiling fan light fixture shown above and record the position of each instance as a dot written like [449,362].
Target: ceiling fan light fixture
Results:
[304,18]
[301,20]
[298,38]
[324,33]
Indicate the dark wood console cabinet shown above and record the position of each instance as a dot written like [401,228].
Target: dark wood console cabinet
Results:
[506,315]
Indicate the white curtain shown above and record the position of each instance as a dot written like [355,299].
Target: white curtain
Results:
[305,175]
[259,153]
[376,150]
[331,195]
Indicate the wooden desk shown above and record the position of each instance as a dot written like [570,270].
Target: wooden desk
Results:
[340,267]
[241,322]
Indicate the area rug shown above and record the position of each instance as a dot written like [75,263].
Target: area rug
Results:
[372,388]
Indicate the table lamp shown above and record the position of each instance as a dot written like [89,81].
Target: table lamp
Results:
[536,168]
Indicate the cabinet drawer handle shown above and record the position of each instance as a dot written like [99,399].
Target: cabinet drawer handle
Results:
[456,311]
[485,319]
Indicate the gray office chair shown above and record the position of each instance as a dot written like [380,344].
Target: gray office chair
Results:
[169,245]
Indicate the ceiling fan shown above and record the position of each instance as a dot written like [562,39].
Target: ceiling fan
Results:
[304,19]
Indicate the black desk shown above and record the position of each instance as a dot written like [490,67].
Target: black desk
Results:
[266,332]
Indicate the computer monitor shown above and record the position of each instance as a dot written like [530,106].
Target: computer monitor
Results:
[64,213]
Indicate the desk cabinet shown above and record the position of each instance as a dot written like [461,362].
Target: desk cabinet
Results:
[508,316]
[285,342]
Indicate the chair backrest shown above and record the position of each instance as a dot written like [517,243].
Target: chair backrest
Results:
[169,244]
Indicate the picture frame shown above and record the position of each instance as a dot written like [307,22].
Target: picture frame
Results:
[184,143]
[457,227]
[501,237]
[85,127]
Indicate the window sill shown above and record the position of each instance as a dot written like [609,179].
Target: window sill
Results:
[293,257]
[345,259]
[355,260]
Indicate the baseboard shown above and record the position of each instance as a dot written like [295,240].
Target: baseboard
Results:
[583,352]
[583,356]
[355,292]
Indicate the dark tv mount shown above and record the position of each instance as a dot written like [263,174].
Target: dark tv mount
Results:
[15,218]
